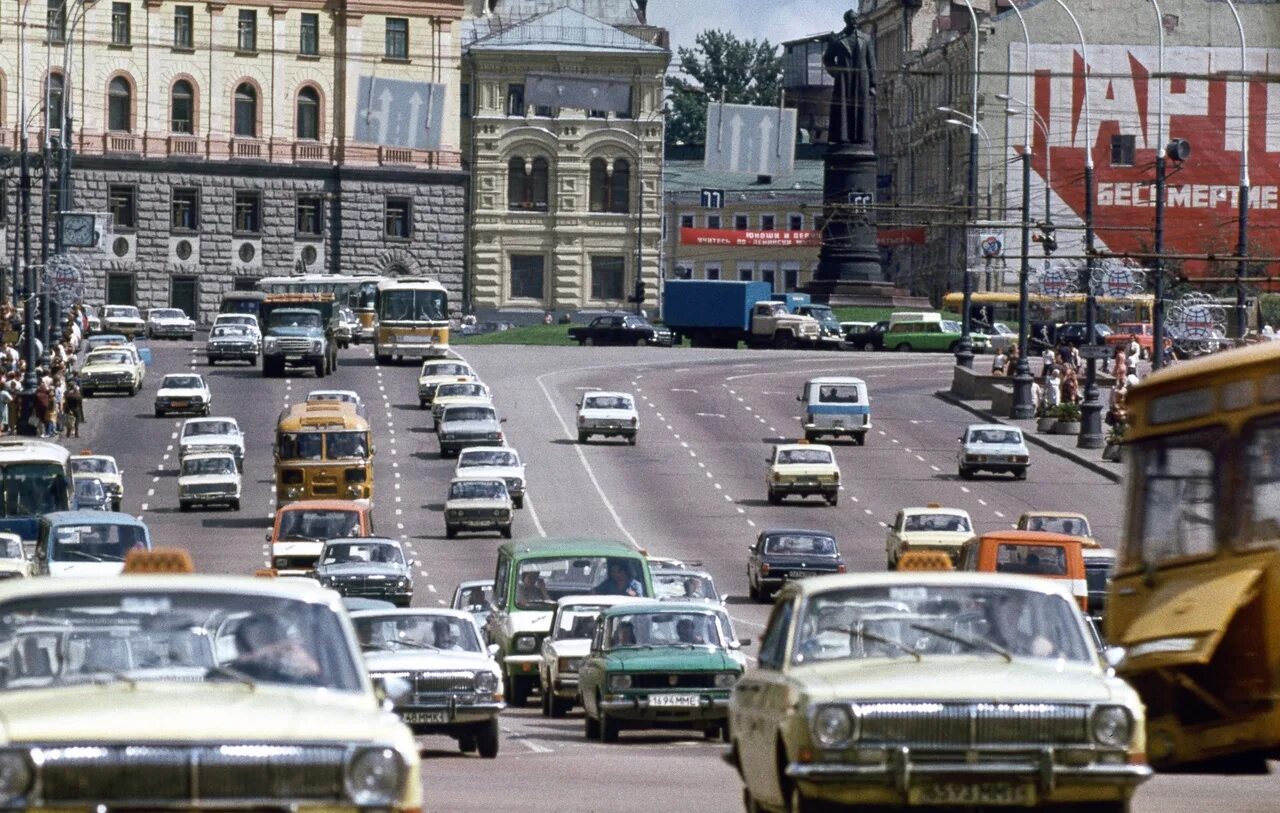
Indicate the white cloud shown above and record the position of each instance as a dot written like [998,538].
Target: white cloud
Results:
[774,20]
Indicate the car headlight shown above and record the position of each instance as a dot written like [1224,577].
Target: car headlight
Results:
[281,562]
[497,512]
[569,664]
[315,345]
[725,680]
[526,643]
[1112,726]
[375,776]
[486,683]
[325,581]
[270,341]
[446,436]
[404,583]
[832,726]
[619,683]
[15,775]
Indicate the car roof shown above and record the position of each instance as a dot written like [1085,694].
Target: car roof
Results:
[93,518]
[407,612]
[596,393]
[167,376]
[797,532]
[300,589]
[971,427]
[494,479]
[836,379]
[210,419]
[324,505]
[680,571]
[491,449]
[587,598]
[92,456]
[1063,514]
[654,606]
[934,509]
[793,446]
[1043,537]
[570,546]
[473,583]
[948,578]
[206,455]
[368,540]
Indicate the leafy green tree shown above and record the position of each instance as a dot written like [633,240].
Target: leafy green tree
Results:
[720,65]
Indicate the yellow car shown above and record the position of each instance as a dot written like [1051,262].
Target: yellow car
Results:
[898,690]
[435,372]
[112,368]
[803,469]
[1071,523]
[929,528]
[167,692]
[104,468]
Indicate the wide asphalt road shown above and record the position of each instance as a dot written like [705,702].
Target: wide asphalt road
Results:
[693,488]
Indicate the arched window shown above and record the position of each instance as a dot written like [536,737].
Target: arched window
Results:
[246,111]
[55,91]
[182,107]
[620,188]
[610,186]
[120,105]
[308,117]
[527,184]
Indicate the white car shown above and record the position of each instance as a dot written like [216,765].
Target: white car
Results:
[183,392]
[212,435]
[930,527]
[231,343]
[572,628]
[475,393]
[14,563]
[993,447]
[247,320]
[608,414]
[112,368]
[435,372]
[494,462]
[478,505]
[121,319]
[104,468]
[209,478]
[170,323]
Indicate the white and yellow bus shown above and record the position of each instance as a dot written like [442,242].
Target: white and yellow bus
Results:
[413,319]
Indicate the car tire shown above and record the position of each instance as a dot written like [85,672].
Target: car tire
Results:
[608,728]
[321,368]
[1020,474]
[546,698]
[753,592]
[209,360]
[590,726]
[518,691]
[860,438]
[234,505]
[749,803]
[588,342]
[833,499]
[506,532]
[869,347]
[775,498]
[382,358]
[133,391]
[966,473]
[115,505]
[905,347]
[184,506]
[518,502]
[631,440]
[467,744]
[159,413]
[487,739]
[582,437]
[890,562]
[558,706]
[450,532]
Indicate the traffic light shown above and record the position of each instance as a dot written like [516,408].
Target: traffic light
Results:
[1046,238]
[638,296]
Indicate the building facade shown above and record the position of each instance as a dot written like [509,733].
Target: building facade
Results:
[227,142]
[566,201]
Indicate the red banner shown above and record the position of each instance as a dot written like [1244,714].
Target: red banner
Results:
[911,236]
[751,239]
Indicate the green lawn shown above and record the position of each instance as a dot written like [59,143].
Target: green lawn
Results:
[532,334]
[876,314]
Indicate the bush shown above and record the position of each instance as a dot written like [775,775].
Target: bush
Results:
[1068,412]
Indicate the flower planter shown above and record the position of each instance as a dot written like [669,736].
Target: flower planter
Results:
[1066,428]
[1045,424]
[1112,452]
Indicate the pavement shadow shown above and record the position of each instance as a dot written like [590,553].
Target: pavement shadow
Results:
[236,522]
[797,502]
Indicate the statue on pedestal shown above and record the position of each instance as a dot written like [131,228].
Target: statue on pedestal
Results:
[851,59]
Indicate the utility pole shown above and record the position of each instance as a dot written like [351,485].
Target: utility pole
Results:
[964,348]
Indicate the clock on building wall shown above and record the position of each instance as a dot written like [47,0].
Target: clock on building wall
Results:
[78,229]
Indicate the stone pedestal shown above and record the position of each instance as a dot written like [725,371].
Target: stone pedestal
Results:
[849,253]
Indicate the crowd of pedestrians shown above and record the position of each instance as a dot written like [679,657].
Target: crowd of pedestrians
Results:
[58,402]
[1059,380]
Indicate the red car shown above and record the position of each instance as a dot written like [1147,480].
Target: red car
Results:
[1125,331]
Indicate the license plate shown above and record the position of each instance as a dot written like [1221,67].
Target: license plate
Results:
[293,358]
[800,574]
[973,793]
[180,403]
[806,482]
[673,700]
[425,716]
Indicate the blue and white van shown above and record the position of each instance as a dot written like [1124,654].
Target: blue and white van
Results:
[836,406]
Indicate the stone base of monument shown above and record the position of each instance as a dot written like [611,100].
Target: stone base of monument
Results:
[842,293]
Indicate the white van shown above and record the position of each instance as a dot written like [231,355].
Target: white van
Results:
[837,406]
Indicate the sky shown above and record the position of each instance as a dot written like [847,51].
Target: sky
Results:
[774,20]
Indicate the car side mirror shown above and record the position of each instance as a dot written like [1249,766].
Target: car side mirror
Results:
[800,398]
[578,405]
[493,650]
[1114,656]
[391,691]
[502,420]
[268,536]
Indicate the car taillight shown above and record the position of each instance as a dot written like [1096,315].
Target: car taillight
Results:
[291,477]
[840,568]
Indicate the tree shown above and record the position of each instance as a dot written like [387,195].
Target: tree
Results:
[720,66]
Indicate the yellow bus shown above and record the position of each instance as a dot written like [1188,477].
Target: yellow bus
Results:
[1195,600]
[988,307]
[413,319]
[323,450]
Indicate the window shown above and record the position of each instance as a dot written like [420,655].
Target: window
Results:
[515,100]
[247,31]
[309,39]
[120,24]
[767,223]
[184,210]
[1122,147]
[119,105]
[310,215]
[597,114]
[773,648]
[713,221]
[790,277]
[397,38]
[398,218]
[1262,454]
[244,284]
[526,276]
[769,275]
[4,200]
[746,272]
[122,203]
[464,100]
[545,111]
[248,212]
[56,86]
[120,289]
[246,111]
[57,21]
[610,186]
[527,184]
[1176,499]
[308,121]
[183,26]
[686,221]
[182,103]
[711,271]
[795,222]
[607,275]
[741,222]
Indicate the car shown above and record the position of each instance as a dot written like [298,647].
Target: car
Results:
[121,319]
[1071,523]
[104,468]
[345,396]
[468,391]
[100,340]
[111,368]
[930,527]
[608,415]
[209,478]
[1099,565]
[478,504]
[888,690]
[993,447]
[299,531]
[212,434]
[1034,553]
[867,338]
[657,665]
[910,331]
[91,494]
[435,372]
[347,329]
[781,555]
[14,563]
[231,343]
[1074,334]
[184,691]
[1000,336]
[247,320]
[802,469]
[621,329]
[464,425]
[457,688]
[476,597]
[830,334]
[82,544]
[170,323]
[500,462]
[94,323]
[366,567]
[183,392]
[572,628]
[835,405]
[1128,331]
[684,584]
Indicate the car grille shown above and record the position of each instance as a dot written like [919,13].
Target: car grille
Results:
[108,378]
[433,684]
[476,513]
[363,585]
[673,680]
[209,488]
[201,448]
[147,775]
[942,725]
[231,347]
[292,345]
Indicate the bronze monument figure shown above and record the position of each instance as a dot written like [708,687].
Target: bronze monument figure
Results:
[851,60]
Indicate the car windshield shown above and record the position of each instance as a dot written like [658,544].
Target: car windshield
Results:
[193,466]
[346,445]
[838,393]
[461,390]
[344,397]
[412,306]
[193,429]
[906,620]
[540,582]
[475,597]
[417,631]
[32,489]
[11,548]
[300,445]
[121,312]
[936,522]
[228,331]
[118,357]
[804,456]
[576,621]
[800,545]
[89,491]
[470,414]
[1072,526]
[496,457]
[316,524]
[294,319]
[607,402]
[445,368]
[181,382]
[341,553]
[93,465]
[236,319]
[1010,437]
[1035,560]
[167,313]
[949,326]
[477,490]
[662,629]
[92,638]
[95,542]
[690,586]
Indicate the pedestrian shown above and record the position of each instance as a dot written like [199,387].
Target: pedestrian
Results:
[1047,357]
[59,394]
[998,363]
[1070,387]
[73,410]
[1121,364]
[43,412]
[1011,363]
[1053,388]
[1135,352]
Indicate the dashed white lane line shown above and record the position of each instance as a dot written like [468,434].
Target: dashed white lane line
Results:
[742,510]
[155,479]
[935,468]
[868,511]
[431,588]
[981,501]
[1000,514]
[965,489]
[145,506]
[718,487]
[921,459]
[752,524]
[151,492]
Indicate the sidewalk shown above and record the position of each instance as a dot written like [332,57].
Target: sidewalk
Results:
[1061,445]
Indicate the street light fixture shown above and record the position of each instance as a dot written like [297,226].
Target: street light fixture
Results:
[1242,246]
[1023,406]
[964,348]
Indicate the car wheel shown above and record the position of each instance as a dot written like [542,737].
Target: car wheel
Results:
[487,739]
[115,505]
[518,502]
[467,744]
[590,726]
[382,358]
[833,499]
[159,413]
[518,691]
[582,437]
[774,498]
[869,347]
[211,362]
[450,532]
[559,707]
[133,391]
[631,440]
[753,592]
[546,698]
[184,506]
[506,532]
[640,342]
[966,473]
[749,802]
[235,505]
[905,347]
[891,562]
[1020,474]
[608,728]
[589,342]
[320,369]
[860,438]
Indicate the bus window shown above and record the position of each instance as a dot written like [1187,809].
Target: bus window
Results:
[1263,446]
[32,489]
[409,305]
[300,445]
[345,445]
[1175,501]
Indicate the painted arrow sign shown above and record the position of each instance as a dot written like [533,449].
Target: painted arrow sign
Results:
[751,140]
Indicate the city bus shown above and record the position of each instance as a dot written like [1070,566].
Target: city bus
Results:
[323,450]
[1195,598]
[413,319]
[35,479]
[358,292]
[1045,312]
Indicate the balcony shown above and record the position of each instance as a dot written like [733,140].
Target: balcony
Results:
[310,151]
[249,149]
[120,142]
[393,155]
[185,146]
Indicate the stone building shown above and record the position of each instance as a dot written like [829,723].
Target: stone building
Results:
[566,200]
[227,142]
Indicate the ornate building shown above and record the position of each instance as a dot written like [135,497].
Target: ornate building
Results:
[227,142]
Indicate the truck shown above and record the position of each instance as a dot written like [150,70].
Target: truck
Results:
[832,337]
[298,330]
[721,313]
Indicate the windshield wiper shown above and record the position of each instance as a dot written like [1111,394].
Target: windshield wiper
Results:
[85,555]
[972,643]
[231,674]
[299,538]
[879,639]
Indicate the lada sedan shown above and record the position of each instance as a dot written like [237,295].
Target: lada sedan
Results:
[218,434]
[476,504]
[183,392]
[231,343]
[993,448]
[104,468]
[435,372]
[802,469]
[781,555]
[111,368]
[366,567]
[572,628]
[608,415]
[931,527]
[461,426]
[209,478]
[170,323]
[500,462]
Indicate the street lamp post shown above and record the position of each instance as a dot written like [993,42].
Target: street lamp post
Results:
[1242,244]
[1023,404]
[1157,304]
[1091,436]
[987,143]
[1043,127]
[26,426]
[964,348]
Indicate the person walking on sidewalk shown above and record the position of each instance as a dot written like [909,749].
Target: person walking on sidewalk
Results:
[73,410]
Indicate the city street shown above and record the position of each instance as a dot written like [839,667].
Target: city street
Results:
[693,487]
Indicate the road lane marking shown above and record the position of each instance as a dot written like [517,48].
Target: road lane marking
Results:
[682,389]
[708,414]
[935,468]
[151,492]
[1000,514]
[965,489]
[981,501]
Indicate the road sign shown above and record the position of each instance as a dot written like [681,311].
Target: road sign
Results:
[65,279]
[860,202]
[991,244]
[712,198]
[396,113]
[1095,351]
[748,139]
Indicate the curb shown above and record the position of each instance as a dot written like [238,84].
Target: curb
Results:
[1031,437]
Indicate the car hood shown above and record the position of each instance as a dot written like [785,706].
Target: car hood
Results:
[669,659]
[310,332]
[85,570]
[211,440]
[439,379]
[106,366]
[172,392]
[196,479]
[490,472]
[125,320]
[571,647]
[361,569]
[609,414]
[172,320]
[456,504]
[428,660]
[470,426]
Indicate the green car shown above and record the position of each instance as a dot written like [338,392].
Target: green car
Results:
[659,665]
[940,336]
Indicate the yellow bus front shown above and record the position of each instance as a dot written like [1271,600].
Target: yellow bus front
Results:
[413,320]
[322,457]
